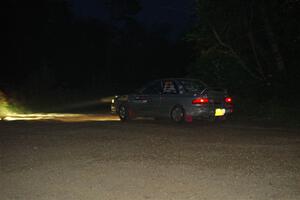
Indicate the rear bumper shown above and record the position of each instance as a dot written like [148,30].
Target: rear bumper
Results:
[206,111]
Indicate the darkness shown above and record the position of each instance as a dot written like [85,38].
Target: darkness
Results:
[70,44]
[106,47]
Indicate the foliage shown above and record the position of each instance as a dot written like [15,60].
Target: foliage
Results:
[244,42]
[3,105]
[8,105]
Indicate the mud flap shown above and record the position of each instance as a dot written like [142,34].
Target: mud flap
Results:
[131,114]
[189,118]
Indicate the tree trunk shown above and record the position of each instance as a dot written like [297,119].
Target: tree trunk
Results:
[280,65]
[255,54]
[235,55]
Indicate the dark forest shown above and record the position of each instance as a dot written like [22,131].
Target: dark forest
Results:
[251,48]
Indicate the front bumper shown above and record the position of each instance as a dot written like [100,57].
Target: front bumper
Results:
[113,108]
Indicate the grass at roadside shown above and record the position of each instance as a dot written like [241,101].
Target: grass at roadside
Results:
[267,112]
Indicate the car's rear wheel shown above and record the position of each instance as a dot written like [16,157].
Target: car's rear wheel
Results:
[124,113]
[177,114]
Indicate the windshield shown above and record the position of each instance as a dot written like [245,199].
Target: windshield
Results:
[192,85]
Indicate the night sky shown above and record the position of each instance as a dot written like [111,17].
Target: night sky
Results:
[177,14]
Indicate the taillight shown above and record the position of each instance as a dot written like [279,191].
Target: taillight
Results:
[200,101]
[228,100]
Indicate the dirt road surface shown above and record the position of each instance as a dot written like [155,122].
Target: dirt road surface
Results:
[148,160]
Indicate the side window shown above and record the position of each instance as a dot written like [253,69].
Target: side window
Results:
[169,87]
[180,88]
[153,88]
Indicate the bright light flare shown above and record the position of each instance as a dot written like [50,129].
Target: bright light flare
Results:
[107,100]
[200,101]
[7,114]
[228,100]
[63,117]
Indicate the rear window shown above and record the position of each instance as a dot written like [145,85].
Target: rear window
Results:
[192,85]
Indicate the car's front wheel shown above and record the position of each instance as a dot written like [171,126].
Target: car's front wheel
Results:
[124,113]
[177,114]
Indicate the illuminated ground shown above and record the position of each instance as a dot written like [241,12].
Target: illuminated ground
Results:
[49,159]
[64,117]
[8,114]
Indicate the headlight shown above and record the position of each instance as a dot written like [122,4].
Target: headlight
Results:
[113,101]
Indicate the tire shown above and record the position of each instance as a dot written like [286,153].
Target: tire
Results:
[177,114]
[223,119]
[211,118]
[124,113]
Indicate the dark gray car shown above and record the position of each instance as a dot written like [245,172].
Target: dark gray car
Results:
[174,98]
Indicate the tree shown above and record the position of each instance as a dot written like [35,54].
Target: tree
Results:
[120,11]
[34,29]
[242,38]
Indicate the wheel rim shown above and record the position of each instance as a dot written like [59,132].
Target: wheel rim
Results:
[177,114]
[122,112]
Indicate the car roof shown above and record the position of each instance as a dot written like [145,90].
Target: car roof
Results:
[161,79]
[180,79]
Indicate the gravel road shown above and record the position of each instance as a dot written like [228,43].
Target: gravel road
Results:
[148,160]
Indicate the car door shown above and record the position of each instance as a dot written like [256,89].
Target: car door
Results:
[147,102]
[169,97]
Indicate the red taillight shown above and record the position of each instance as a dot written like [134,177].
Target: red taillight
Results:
[200,101]
[228,100]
